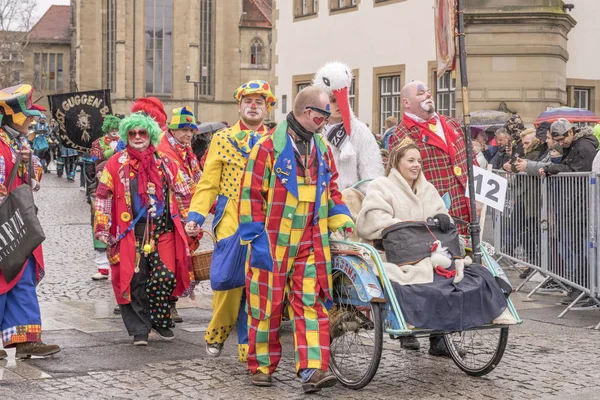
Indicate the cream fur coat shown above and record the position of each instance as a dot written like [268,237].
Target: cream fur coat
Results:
[390,200]
[359,158]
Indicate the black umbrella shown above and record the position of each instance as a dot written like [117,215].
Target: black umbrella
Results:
[210,127]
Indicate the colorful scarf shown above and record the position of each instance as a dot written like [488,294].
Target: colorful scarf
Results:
[185,152]
[147,171]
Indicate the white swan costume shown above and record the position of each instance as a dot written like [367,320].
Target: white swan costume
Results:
[356,152]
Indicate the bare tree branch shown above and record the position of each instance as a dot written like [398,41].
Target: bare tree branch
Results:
[16,20]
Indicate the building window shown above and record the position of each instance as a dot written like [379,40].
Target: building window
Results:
[352,95]
[256,49]
[581,98]
[341,4]
[389,99]
[111,38]
[159,47]
[446,94]
[206,47]
[48,71]
[305,7]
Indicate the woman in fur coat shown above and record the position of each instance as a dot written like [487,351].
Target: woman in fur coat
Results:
[429,297]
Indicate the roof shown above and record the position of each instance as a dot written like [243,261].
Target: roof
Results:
[53,26]
[257,14]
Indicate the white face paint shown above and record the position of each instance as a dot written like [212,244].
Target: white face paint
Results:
[427,105]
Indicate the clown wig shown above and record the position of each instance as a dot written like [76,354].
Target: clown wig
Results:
[110,123]
[139,120]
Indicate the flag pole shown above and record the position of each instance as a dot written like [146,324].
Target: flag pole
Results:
[474,227]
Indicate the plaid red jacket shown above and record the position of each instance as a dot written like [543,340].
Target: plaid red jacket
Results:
[440,160]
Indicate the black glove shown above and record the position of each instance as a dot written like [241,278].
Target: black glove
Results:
[443,221]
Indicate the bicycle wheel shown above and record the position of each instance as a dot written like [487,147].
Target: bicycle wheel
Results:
[356,333]
[477,352]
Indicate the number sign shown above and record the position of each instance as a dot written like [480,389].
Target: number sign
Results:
[490,189]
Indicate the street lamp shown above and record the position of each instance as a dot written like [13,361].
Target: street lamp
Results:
[187,79]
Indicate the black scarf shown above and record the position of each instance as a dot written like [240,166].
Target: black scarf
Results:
[298,129]
[303,140]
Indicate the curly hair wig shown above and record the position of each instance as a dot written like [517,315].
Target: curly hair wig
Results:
[110,123]
[140,120]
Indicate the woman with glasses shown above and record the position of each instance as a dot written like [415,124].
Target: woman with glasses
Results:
[139,200]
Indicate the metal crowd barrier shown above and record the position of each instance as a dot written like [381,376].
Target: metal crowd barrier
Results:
[551,225]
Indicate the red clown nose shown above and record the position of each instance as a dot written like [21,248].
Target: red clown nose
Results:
[343,102]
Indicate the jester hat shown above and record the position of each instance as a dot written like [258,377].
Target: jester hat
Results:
[335,78]
[183,118]
[153,107]
[256,87]
[16,101]
[140,120]
[111,123]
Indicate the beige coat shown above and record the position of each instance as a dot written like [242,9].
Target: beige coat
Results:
[390,200]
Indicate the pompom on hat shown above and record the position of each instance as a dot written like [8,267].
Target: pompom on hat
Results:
[256,87]
[140,120]
[16,102]
[183,117]
[335,78]
[110,123]
[153,107]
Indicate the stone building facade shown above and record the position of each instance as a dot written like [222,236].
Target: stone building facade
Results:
[141,48]
[528,54]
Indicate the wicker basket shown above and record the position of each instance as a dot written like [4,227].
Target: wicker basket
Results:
[201,261]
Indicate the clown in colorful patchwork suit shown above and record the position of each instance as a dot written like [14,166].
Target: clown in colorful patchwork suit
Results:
[289,204]
[141,199]
[221,179]
[176,144]
[20,319]
[103,149]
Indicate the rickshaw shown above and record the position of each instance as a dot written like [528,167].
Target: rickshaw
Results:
[366,307]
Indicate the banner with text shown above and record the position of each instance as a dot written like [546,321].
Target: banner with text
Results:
[80,116]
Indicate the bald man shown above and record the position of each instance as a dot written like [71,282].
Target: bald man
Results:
[288,204]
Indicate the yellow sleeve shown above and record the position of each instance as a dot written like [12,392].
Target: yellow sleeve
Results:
[207,188]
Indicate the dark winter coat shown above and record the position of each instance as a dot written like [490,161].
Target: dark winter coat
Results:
[578,157]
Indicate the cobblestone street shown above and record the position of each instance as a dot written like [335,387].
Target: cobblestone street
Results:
[546,357]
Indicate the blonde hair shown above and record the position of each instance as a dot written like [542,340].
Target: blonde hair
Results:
[527,132]
[398,152]
[390,121]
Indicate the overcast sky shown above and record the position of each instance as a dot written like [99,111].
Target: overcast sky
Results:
[44,5]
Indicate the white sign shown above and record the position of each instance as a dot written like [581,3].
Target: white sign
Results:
[490,189]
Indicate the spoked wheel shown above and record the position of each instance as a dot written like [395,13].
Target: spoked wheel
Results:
[477,352]
[356,335]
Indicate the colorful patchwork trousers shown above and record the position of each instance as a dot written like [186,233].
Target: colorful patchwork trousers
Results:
[20,319]
[297,282]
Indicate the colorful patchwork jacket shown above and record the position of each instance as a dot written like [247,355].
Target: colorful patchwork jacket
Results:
[222,177]
[268,202]
[113,216]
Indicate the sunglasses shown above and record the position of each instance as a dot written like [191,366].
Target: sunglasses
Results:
[140,132]
[325,113]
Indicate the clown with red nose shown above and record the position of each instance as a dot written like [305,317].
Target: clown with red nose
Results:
[355,150]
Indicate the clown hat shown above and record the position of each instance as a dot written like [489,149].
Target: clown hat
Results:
[256,87]
[153,107]
[183,118]
[335,78]
[16,101]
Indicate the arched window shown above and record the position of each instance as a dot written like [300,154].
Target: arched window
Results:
[256,50]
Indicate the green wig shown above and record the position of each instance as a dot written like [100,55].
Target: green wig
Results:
[111,123]
[139,120]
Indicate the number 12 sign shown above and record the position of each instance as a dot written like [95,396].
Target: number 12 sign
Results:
[490,189]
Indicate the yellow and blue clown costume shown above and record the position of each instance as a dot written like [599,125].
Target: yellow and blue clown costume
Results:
[221,180]
[286,214]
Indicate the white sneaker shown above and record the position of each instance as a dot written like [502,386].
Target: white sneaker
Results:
[98,276]
[214,349]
